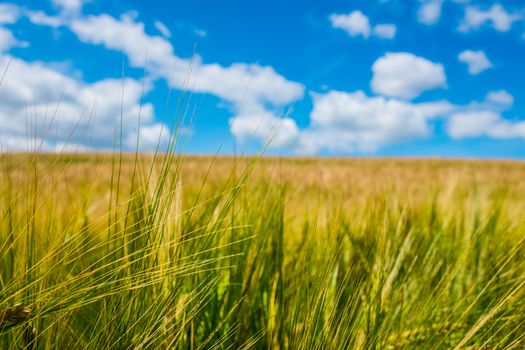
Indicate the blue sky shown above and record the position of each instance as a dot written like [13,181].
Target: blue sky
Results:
[366,78]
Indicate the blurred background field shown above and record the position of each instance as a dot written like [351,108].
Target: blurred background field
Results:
[137,251]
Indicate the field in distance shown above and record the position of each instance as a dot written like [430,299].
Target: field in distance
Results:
[159,252]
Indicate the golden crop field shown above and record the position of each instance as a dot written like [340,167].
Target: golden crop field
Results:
[159,252]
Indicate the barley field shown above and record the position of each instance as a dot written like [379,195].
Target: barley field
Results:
[124,251]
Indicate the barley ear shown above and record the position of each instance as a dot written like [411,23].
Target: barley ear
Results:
[13,315]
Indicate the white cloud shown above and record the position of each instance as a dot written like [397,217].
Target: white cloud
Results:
[356,23]
[484,123]
[354,122]
[69,6]
[10,142]
[430,11]
[350,122]
[251,82]
[9,13]
[405,75]
[485,119]
[250,87]
[127,36]
[265,126]
[385,31]
[86,113]
[246,83]
[496,17]
[7,40]
[476,61]
[150,137]
[500,97]
[471,124]
[161,27]
[43,19]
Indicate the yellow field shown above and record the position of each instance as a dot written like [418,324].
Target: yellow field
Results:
[110,251]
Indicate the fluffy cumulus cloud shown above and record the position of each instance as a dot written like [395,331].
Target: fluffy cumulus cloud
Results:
[476,61]
[253,82]
[356,23]
[471,124]
[69,6]
[246,83]
[149,137]
[126,35]
[486,119]
[250,87]
[272,130]
[7,40]
[405,75]
[484,123]
[500,97]
[9,14]
[350,122]
[41,18]
[495,17]
[385,31]
[65,110]
[429,11]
